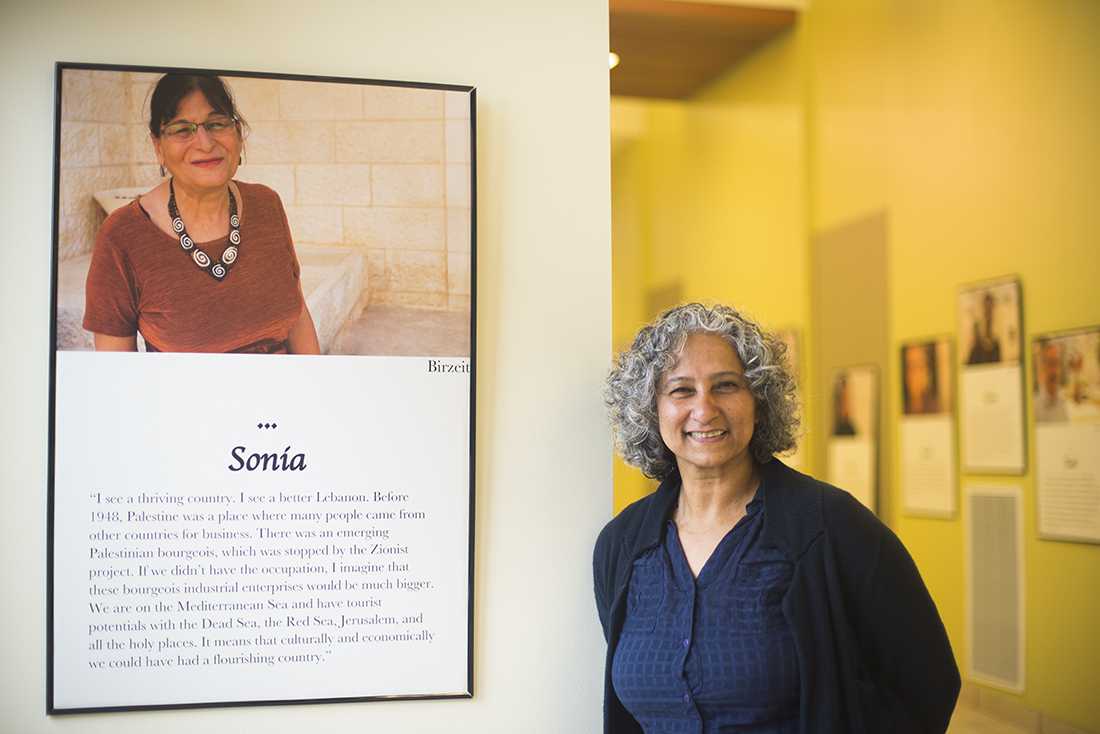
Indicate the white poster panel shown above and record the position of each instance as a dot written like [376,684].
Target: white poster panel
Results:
[990,345]
[1066,400]
[249,528]
[928,474]
[993,436]
[852,467]
[1069,481]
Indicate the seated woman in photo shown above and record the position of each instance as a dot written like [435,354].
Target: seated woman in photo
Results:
[743,596]
[200,263]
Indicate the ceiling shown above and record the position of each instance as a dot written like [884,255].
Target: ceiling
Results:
[671,48]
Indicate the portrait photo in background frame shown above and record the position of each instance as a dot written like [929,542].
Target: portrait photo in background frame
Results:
[991,380]
[852,447]
[926,384]
[244,517]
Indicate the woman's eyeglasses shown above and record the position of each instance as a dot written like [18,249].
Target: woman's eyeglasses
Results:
[183,131]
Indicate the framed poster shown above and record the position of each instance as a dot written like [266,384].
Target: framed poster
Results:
[853,445]
[261,392]
[927,429]
[991,377]
[1065,395]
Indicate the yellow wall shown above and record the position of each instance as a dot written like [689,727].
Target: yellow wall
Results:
[974,127]
[711,194]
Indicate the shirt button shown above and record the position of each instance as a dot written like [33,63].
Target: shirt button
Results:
[687,698]
[686,642]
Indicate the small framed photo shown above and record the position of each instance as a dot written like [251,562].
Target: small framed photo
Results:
[1065,400]
[990,342]
[853,445]
[929,474]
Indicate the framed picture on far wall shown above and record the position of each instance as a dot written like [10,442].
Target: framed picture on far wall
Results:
[263,318]
[929,475]
[1065,400]
[853,443]
[991,382]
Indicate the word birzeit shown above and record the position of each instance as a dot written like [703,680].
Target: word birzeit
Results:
[266,462]
[434,365]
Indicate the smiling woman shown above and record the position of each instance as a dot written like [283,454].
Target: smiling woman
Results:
[705,411]
[743,595]
[200,263]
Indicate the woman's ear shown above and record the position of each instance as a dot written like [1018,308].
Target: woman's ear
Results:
[160,157]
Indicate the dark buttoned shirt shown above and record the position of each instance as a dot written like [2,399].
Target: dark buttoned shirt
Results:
[714,653]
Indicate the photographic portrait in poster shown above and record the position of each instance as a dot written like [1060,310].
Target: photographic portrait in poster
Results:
[927,429]
[991,377]
[797,458]
[262,389]
[853,445]
[1065,397]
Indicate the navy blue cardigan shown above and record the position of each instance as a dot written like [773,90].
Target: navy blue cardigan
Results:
[872,652]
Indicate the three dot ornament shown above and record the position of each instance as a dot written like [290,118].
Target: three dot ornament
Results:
[217,270]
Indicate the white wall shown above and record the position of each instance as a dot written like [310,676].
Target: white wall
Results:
[543,325]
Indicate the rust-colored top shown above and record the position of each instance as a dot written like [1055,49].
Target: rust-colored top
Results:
[140,279]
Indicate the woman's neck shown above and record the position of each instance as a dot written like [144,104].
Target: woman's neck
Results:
[203,206]
[716,497]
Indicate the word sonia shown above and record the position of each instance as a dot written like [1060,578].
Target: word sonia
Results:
[286,461]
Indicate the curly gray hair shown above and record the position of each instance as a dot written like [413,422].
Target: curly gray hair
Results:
[631,389]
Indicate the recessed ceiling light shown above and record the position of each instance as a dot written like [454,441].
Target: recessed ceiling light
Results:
[612,60]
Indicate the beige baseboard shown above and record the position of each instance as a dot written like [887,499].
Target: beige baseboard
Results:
[1008,708]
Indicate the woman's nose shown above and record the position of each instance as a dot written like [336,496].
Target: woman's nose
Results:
[702,407]
[204,138]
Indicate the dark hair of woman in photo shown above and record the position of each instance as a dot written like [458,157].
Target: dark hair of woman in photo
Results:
[743,595]
[201,262]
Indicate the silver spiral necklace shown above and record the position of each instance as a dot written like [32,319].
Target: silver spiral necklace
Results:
[217,270]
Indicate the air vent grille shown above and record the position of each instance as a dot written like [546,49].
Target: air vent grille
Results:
[995,586]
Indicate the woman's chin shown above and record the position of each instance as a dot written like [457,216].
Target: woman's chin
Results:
[208,179]
[710,465]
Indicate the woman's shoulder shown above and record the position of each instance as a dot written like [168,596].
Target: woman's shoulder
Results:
[854,530]
[123,226]
[803,489]
[843,515]
[628,521]
[262,207]
[639,522]
[616,544]
[807,506]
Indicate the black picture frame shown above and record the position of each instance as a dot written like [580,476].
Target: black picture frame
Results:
[61,68]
